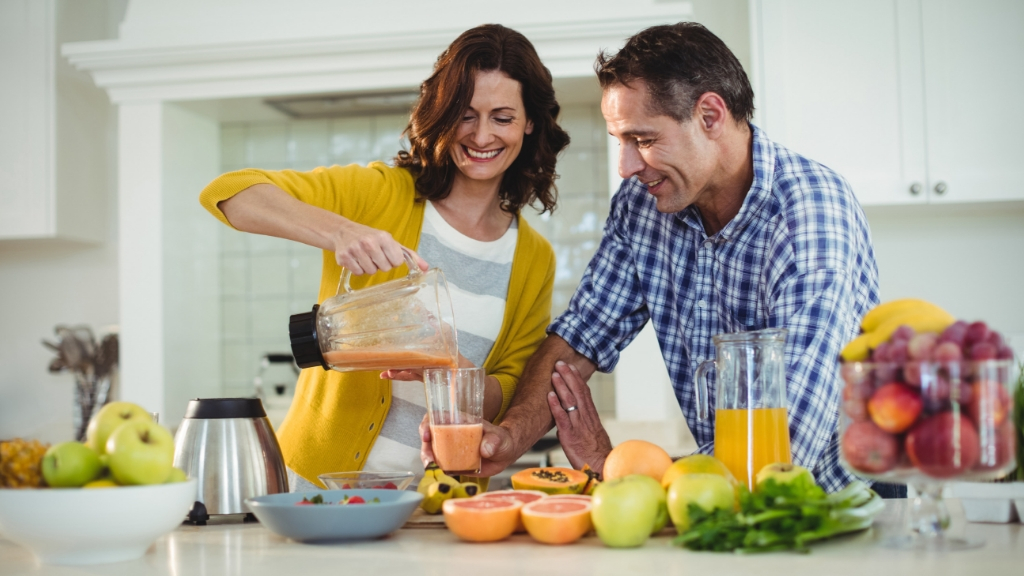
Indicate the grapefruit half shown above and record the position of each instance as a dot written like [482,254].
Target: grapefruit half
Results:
[482,519]
[524,496]
[558,520]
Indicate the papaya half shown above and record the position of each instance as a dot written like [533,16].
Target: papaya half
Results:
[551,480]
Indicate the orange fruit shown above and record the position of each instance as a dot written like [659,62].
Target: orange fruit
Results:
[557,520]
[482,519]
[636,457]
[524,496]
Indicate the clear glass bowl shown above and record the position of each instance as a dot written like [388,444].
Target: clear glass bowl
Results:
[925,423]
[367,480]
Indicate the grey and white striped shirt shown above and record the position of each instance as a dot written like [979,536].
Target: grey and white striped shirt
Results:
[478,274]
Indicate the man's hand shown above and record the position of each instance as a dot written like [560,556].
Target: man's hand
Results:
[580,431]
[497,450]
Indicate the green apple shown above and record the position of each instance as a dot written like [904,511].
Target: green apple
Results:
[104,422]
[140,452]
[626,510]
[177,475]
[70,465]
[709,491]
[797,478]
[658,492]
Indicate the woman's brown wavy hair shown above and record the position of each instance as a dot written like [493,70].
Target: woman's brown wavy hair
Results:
[444,98]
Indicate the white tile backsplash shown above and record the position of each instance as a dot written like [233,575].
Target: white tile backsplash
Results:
[269,275]
[233,141]
[269,144]
[234,275]
[270,318]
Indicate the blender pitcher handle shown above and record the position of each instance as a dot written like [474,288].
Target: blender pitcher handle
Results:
[346,275]
[700,387]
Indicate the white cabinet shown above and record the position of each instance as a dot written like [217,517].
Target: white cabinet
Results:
[912,101]
[54,124]
[974,83]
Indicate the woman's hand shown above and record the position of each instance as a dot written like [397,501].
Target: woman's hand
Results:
[580,432]
[365,250]
[496,444]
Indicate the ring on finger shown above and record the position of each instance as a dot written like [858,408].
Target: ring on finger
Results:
[570,408]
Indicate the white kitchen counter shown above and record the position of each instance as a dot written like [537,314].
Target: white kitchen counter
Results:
[252,550]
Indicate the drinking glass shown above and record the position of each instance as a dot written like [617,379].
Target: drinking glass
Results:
[455,403]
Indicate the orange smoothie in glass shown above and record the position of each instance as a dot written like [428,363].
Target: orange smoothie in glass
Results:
[748,440]
[457,447]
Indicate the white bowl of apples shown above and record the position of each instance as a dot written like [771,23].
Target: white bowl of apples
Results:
[105,505]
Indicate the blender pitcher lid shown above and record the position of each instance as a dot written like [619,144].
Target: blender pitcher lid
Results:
[305,345]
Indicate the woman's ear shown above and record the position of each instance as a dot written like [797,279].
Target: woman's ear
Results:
[529,126]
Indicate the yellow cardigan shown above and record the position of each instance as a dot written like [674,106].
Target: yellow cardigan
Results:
[335,417]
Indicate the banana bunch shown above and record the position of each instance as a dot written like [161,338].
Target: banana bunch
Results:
[882,320]
[436,487]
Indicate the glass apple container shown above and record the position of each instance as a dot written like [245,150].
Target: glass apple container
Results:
[924,423]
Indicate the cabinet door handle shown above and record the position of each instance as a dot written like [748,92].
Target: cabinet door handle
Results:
[915,188]
[940,188]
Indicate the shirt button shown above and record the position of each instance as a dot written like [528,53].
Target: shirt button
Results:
[702,304]
[700,359]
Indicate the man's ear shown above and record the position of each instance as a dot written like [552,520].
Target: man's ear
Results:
[712,113]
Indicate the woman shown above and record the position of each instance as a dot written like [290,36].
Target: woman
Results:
[483,142]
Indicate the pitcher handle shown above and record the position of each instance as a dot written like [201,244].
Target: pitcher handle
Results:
[700,388]
[346,275]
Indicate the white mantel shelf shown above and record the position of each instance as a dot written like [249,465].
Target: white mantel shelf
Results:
[140,73]
[252,550]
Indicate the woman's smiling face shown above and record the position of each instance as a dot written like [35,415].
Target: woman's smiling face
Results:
[491,131]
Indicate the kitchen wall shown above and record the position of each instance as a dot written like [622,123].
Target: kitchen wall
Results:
[966,258]
[44,283]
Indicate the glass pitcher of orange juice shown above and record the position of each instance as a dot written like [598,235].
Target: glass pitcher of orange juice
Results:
[751,423]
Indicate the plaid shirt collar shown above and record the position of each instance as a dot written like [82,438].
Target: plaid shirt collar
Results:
[758,196]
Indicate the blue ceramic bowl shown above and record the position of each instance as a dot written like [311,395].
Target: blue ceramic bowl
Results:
[281,514]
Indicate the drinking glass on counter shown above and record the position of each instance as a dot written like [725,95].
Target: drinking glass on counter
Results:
[751,421]
[455,403]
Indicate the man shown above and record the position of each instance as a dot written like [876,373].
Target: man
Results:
[715,229]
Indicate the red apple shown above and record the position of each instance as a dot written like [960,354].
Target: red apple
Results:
[894,407]
[869,449]
[944,445]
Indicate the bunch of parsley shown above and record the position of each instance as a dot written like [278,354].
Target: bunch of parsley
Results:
[781,516]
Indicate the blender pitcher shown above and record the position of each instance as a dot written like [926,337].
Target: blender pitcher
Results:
[751,423]
[407,323]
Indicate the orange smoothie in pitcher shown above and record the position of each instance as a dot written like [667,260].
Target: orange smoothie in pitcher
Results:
[764,430]
[457,447]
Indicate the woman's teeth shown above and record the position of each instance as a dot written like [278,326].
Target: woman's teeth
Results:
[482,155]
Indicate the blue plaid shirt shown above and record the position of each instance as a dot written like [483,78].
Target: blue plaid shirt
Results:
[797,255]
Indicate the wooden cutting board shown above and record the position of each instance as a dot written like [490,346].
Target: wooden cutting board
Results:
[421,519]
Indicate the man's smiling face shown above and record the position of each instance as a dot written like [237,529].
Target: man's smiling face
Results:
[675,160]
